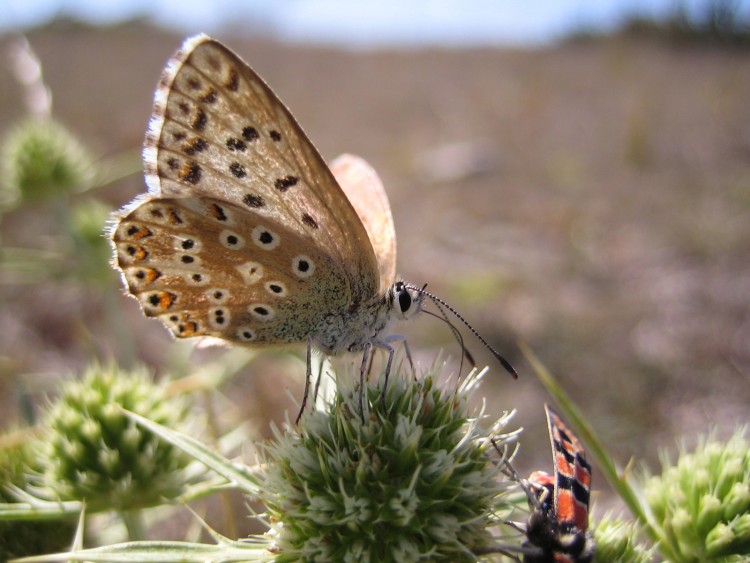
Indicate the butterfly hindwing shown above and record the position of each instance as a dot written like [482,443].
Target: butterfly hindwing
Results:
[202,267]
[366,193]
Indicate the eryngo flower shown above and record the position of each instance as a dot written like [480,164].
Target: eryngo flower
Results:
[701,503]
[41,159]
[617,541]
[93,452]
[413,481]
[19,537]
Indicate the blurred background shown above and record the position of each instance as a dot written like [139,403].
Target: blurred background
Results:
[569,174]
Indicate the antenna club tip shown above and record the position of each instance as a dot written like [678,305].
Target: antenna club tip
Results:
[439,302]
[509,368]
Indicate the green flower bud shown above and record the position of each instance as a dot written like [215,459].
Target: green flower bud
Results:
[95,453]
[42,160]
[19,538]
[709,512]
[737,501]
[702,500]
[682,528]
[617,542]
[719,540]
[653,493]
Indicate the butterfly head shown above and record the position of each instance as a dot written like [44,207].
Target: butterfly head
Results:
[408,299]
[405,300]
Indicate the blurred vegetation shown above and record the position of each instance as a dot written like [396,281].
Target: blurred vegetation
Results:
[714,22]
[717,21]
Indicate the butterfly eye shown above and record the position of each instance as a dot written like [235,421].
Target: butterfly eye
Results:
[404,301]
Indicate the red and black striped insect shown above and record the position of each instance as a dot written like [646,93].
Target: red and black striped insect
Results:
[557,530]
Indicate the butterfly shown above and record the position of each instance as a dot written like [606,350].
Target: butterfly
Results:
[245,234]
[558,524]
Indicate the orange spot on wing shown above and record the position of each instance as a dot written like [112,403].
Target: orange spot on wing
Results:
[137,253]
[566,506]
[141,232]
[151,275]
[581,517]
[563,465]
[583,476]
[166,299]
[161,300]
[190,328]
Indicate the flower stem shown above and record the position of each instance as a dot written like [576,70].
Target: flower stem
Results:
[133,520]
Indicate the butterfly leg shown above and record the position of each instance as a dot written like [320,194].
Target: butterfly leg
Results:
[369,367]
[308,377]
[320,376]
[363,368]
[384,345]
[402,338]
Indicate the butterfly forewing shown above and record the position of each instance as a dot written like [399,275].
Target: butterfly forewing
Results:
[557,529]
[218,129]
[572,475]
[244,226]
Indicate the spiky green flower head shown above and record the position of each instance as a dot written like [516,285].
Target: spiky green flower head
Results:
[41,159]
[702,502]
[412,482]
[19,538]
[617,541]
[16,455]
[97,454]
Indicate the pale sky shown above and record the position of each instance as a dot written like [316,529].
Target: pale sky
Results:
[359,23]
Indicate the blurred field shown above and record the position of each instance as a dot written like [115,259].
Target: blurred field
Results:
[592,200]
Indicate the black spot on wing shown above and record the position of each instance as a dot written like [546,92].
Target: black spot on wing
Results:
[283,184]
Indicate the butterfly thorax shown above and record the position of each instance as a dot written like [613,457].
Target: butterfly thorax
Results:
[350,330]
[353,329]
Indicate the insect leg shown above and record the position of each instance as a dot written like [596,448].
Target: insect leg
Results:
[362,370]
[308,377]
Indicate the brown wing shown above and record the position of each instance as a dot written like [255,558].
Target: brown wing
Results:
[205,267]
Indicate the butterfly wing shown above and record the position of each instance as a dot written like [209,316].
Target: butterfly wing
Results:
[205,267]
[217,129]
[557,526]
[366,193]
[572,476]
[270,235]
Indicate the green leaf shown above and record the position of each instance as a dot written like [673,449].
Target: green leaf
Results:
[233,472]
[165,552]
